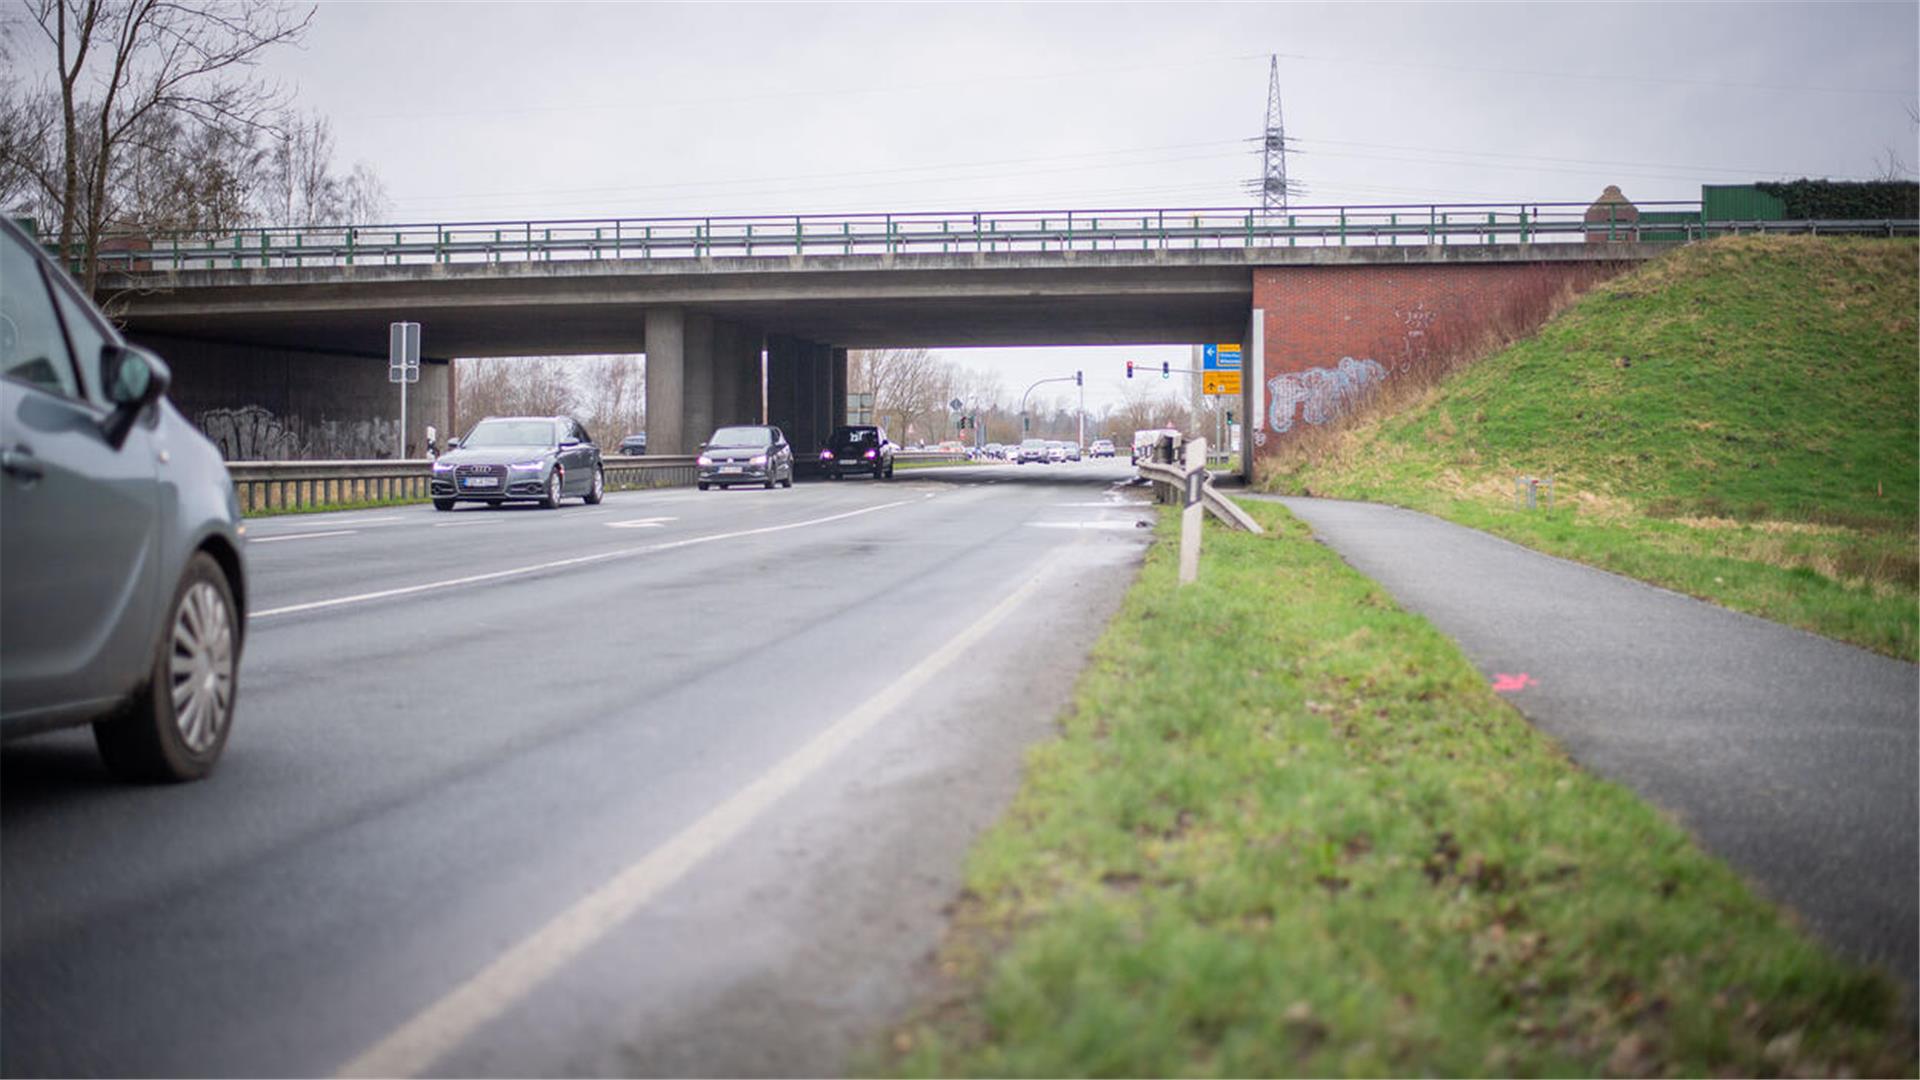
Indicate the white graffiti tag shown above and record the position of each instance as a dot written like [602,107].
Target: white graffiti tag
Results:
[1319,394]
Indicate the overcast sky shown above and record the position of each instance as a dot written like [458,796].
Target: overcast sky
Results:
[521,110]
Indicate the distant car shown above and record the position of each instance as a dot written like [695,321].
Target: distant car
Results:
[1102,448]
[1056,451]
[1031,450]
[994,451]
[744,454]
[505,459]
[123,601]
[858,448]
[635,444]
[1073,451]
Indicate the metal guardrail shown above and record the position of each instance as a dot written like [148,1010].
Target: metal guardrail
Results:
[303,485]
[790,235]
[1169,484]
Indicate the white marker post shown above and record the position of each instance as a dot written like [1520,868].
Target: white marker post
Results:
[403,367]
[1194,462]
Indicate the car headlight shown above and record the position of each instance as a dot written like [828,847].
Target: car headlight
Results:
[826,455]
[443,466]
[703,460]
[528,466]
[758,459]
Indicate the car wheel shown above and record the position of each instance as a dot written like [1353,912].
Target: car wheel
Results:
[443,504]
[889,468]
[551,501]
[788,482]
[771,474]
[702,485]
[599,489]
[178,722]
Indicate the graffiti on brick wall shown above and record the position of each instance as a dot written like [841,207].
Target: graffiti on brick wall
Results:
[252,433]
[1318,395]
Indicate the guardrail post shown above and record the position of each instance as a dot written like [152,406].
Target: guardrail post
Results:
[351,233]
[1343,226]
[799,236]
[1430,210]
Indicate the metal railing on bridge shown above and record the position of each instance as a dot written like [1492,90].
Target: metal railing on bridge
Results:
[1034,231]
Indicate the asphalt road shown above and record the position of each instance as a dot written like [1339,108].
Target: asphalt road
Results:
[1793,757]
[674,785]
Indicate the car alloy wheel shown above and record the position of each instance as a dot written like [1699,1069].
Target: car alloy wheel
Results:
[552,501]
[599,489]
[177,724]
[201,666]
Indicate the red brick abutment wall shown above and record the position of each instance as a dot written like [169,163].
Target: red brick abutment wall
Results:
[1331,335]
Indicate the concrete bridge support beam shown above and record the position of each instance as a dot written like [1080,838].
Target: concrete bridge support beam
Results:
[666,381]
[837,399]
[801,380]
[736,374]
[697,404]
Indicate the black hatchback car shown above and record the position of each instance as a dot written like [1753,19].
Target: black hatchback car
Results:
[857,448]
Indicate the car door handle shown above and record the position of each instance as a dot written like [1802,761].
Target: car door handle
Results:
[19,463]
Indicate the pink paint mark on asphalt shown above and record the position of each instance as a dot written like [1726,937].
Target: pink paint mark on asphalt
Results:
[1507,684]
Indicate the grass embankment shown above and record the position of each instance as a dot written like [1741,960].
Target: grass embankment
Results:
[1288,829]
[1736,421]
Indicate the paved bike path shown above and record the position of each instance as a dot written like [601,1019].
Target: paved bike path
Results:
[1791,756]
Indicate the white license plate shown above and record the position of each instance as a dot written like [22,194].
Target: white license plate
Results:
[480,481]
[729,468]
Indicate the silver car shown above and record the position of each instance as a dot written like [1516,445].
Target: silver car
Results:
[124,598]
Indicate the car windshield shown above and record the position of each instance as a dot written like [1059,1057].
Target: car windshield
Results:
[741,437]
[855,437]
[511,433]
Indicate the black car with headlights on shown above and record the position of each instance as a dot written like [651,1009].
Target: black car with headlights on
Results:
[539,459]
[744,454]
[857,448]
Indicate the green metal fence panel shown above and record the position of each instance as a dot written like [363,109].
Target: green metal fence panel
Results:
[1739,202]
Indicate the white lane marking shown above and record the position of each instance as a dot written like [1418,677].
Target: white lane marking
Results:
[579,560]
[413,1047]
[1116,525]
[263,522]
[640,523]
[299,536]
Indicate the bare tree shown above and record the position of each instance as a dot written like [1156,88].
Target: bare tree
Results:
[612,401]
[515,386]
[121,63]
[908,385]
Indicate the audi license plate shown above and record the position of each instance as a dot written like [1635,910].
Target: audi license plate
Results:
[480,481]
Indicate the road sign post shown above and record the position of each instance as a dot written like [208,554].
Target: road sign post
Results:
[403,367]
[1194,464]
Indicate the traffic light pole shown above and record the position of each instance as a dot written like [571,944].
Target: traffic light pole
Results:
[1074,378]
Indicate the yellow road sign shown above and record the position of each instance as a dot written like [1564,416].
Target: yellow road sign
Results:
[1220,382]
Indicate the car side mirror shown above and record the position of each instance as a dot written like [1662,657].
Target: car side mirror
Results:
[453,444]
[135,379]
[565,443]
[702,446]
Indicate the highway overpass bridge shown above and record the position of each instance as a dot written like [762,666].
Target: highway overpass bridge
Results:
[286,330]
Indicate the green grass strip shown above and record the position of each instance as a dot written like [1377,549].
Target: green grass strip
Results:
[1289,830]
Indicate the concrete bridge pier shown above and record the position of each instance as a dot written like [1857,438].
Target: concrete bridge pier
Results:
[735,364]
[666,330]
[701,381]
[801,380]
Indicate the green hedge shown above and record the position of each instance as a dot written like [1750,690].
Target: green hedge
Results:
[1847,200]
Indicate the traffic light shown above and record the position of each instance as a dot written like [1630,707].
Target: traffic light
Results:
[1166,370]
[1079,378]
[1129,369]
[1229,416]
